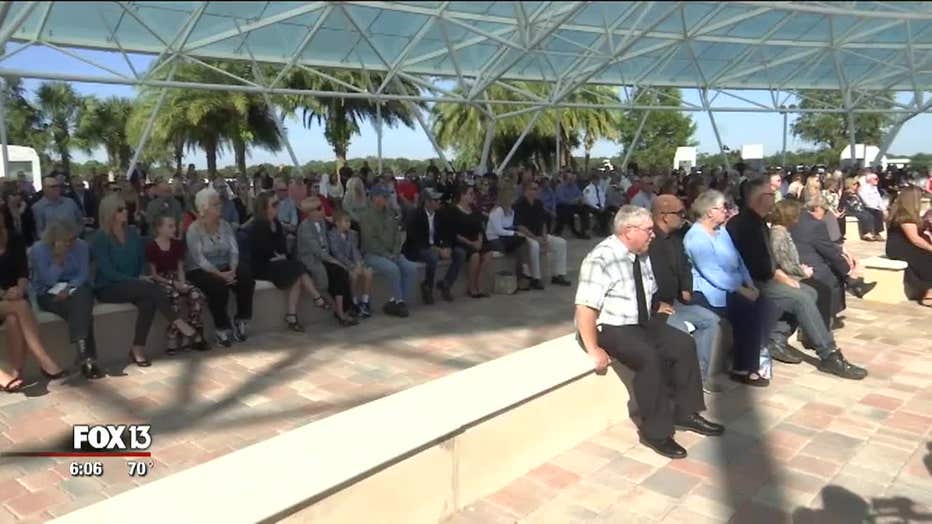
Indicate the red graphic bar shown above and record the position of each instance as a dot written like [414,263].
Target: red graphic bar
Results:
[78,454]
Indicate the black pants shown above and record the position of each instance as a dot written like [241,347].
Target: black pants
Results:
[146,296]
[218,293]
[78,312]
[338,281]
[602,217]
[877,215]
[825,299]
[751,324]
[565,214]
[665,369]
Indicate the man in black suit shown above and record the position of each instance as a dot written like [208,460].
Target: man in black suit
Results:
[86,201]
[830,266]
[427,242]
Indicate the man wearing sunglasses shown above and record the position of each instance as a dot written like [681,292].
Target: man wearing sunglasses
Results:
[52,207]
[675,284]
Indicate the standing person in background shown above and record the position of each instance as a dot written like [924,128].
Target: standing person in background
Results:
[228,209]
[54,207]
[407,192]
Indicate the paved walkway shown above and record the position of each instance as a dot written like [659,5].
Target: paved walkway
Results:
[202,406]
[809,449]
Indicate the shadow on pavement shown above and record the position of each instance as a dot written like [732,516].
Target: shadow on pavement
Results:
[841,505]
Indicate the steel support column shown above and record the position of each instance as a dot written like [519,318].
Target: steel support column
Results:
[518,142]
[556,158]
[783,152]
[637,136]
[279,123]
[150,123]
[487,147]
[430,136]
[718,137]
[4,152]
[378,134]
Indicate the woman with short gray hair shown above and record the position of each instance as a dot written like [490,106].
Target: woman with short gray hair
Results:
[722,283]
[212,264]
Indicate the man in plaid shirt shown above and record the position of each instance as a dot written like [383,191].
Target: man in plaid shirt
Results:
[613,320]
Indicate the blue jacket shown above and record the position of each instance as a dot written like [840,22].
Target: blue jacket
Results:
[717,266]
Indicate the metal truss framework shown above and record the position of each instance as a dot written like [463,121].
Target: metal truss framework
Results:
[720,49]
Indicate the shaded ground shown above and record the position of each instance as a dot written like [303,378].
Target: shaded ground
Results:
[809,449]
[204,406]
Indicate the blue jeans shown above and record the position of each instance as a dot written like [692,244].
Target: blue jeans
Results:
[401,272]
[430,258]
[798,305]
[707,332]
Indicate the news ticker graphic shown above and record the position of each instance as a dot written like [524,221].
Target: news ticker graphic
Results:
[100,441]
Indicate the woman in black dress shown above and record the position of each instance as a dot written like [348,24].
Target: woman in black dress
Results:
[467,233]
[904,242]
[270,262]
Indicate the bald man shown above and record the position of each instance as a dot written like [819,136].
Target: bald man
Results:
[675,284]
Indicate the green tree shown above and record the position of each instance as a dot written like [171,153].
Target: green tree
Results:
[24,125]
[341,117]
[662,133]
[831,129]
[58,106]
[462,127]
[102,123]
[207,119]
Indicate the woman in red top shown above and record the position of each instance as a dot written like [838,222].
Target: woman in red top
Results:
[165,256]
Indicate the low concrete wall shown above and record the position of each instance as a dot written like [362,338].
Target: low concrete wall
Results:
[415,456]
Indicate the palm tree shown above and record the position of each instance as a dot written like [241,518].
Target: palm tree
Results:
[24,124]
[342,117]
[103,123]
[209,120]
[463,127]
[58,106]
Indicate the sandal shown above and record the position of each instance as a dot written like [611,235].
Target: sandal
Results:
[321,303]
[11,388]
[346,321]
[293,324]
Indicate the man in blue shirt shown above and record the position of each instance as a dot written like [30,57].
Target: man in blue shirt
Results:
[52,207]
[569,204]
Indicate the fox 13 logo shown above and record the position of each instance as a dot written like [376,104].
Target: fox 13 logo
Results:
[112,437]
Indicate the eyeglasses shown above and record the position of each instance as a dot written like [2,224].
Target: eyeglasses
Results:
[120,209]
[681,213]
[318,208]
[53,186]
[646,230]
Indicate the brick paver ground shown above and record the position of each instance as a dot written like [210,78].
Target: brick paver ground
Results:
[202,406]
[809,449]
[870,438]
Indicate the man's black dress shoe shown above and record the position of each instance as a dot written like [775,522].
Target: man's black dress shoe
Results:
[784,354]
[699,425]
[665,446]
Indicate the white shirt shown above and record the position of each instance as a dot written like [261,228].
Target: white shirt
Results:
[594,196]
[499,224]
[643,199]
[606,283]
[430,226]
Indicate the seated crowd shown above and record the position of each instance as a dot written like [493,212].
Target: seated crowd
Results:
[768,269]
[176,246]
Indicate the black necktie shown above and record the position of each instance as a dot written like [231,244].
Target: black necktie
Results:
[643,315]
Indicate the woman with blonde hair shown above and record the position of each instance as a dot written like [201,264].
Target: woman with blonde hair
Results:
[119,255]
[904,242]
[354,200]
[16,316]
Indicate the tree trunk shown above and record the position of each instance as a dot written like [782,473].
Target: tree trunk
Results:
[239,151]
[179,156]
[339,150]
[586,160]
[210,148]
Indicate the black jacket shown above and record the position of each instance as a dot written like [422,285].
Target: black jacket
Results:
[816,250]
[28,233]
[671,267]
[87,203]
[418,231]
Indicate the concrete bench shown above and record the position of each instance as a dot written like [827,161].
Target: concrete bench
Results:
[441,445]
[113,323]
[889,276]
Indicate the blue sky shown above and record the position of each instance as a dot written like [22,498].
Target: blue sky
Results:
[309,144]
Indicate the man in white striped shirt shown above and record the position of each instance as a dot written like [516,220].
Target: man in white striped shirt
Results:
[613,319]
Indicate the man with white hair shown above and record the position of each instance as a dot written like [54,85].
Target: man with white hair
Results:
[873,202]
[645,196]
[613,320]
